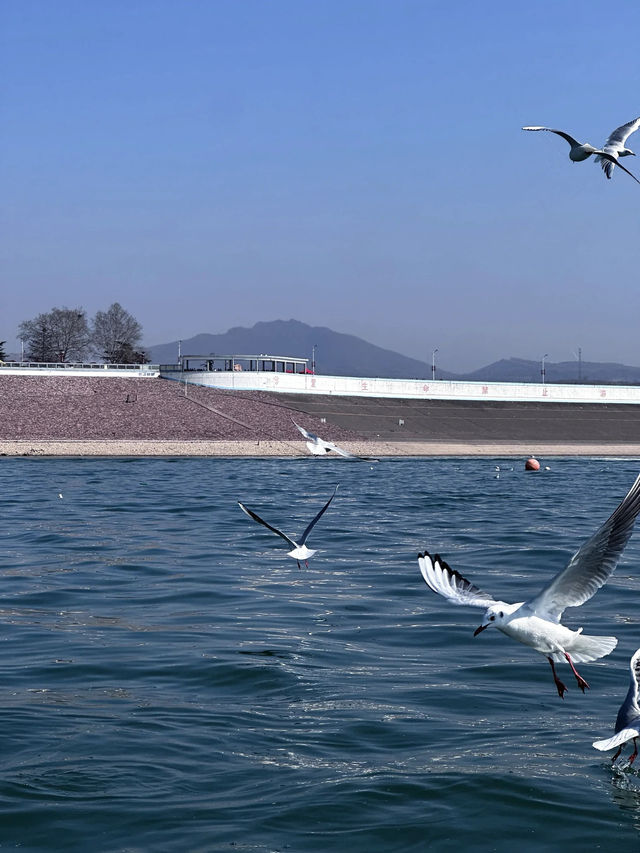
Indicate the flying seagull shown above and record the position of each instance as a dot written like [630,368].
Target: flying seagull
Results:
[319,447]
[615,145]
[581,150]
[536,622]
[300,550]
[628,720]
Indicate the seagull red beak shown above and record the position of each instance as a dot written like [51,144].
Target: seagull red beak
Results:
[481,628]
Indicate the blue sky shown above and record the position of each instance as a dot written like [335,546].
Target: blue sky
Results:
[353,164]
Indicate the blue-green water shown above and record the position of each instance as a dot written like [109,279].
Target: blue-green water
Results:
[171,680]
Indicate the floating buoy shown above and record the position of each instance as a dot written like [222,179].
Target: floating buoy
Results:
[532,464]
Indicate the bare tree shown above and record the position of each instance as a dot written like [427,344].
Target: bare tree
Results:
[62,334]
[70,333]
[116,335]
[2,355]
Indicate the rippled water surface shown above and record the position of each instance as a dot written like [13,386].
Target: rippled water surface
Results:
[172,681]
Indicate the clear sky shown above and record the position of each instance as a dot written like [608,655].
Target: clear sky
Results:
[356,164]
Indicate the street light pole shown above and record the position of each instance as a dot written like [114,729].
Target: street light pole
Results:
[579,364]
[433,364]
[542,371]
[313,359]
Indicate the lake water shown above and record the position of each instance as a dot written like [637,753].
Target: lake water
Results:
[172,681]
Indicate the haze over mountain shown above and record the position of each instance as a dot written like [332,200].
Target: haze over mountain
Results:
[339,354]
[336,354]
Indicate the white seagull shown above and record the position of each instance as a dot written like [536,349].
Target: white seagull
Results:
[628,720]
[319,447]
[607,156]
[615,145]
[536,622]
[300,550]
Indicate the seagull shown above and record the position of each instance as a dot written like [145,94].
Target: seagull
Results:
[536,622]
[319,447]
[615,145]
[628,720]
[300,550]
[581,150]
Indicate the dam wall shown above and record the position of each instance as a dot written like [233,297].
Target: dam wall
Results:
[404,389]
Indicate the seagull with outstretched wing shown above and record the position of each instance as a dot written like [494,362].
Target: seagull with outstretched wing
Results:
[319,447]
[628,720]
[582,150]
[616,146]
[536,622]
[300,550]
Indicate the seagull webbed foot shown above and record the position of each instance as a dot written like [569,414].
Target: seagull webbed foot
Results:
[562,688]
[582,684]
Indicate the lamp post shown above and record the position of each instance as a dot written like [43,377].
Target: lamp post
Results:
[579,364]
[433,364]
[313,359]
[542,370]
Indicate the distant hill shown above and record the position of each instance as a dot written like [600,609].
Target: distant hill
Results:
[522,370]
[338,354]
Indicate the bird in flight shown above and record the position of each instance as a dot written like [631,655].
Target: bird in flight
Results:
[319,447]
[608,155]
[628,720]
[300,550]
[536,622]
[616,145]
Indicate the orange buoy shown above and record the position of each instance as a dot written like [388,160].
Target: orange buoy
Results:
[532,464]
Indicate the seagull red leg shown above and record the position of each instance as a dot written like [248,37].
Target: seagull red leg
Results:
[634,754]
[582,684]
[617,754]
[561,687]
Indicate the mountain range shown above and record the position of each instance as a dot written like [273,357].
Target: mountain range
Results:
[339,354]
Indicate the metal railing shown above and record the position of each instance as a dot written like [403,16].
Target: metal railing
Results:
[70,365]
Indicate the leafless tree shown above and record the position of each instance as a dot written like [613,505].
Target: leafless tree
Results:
[61,334]
[116,336]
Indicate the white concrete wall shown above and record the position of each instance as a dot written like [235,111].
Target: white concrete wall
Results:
[420,389]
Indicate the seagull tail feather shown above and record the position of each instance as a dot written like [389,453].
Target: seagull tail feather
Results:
[585,649]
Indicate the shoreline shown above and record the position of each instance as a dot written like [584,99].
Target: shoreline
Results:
[297,449]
